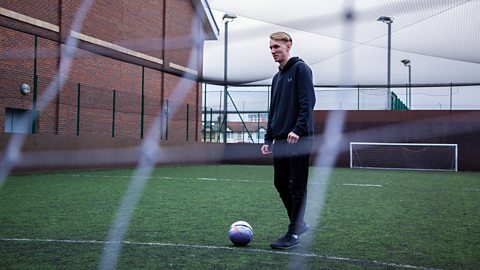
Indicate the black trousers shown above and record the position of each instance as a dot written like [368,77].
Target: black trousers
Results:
[291,164]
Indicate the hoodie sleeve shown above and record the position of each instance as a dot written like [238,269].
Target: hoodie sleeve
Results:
[306,100]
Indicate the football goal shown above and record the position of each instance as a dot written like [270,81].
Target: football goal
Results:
[404,156]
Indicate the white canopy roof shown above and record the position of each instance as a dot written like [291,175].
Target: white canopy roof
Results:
[439,37]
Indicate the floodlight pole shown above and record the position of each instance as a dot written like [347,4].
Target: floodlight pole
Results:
[410,86]
[226,18]
[389,22]
[408,64]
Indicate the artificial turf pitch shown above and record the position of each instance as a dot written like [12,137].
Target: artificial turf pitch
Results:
[372,219]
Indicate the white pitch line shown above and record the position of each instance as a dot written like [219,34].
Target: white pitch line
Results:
[158,244]
[166,177]
[230,180]
[362,185]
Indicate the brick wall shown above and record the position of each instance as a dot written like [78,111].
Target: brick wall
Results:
[45,10]
[165,30]
[16,67]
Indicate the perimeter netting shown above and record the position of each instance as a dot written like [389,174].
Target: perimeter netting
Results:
[410,156]
[108,102]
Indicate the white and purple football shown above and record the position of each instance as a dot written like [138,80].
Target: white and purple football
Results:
[240,233]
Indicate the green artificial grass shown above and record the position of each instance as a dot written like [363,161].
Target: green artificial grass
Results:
[372,219]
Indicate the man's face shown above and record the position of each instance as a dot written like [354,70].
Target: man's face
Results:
[280,50]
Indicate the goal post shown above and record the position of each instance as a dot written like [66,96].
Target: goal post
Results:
[404,156]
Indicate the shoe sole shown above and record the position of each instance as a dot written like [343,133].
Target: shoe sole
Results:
[289,247]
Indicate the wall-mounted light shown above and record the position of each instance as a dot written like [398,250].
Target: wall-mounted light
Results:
[25,89]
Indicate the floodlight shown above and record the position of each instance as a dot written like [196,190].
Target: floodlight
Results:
[228,17]
[385,19]
[406,62]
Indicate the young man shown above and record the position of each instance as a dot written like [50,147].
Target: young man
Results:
[290,130]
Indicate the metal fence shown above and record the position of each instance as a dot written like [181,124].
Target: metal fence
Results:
[248,106]
[84,109]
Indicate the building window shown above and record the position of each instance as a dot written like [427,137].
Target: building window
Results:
[13,121]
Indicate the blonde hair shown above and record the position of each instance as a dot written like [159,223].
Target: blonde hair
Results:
[281,36]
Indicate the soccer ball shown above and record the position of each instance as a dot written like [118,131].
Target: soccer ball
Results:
[240,233]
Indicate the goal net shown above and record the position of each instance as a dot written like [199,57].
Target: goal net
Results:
[407,156]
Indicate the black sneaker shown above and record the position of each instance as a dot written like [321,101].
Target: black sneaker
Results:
[305,227]
[286,242]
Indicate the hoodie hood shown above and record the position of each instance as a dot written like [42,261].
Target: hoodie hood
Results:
[290,63]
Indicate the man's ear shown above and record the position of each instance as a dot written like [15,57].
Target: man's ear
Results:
[289,45]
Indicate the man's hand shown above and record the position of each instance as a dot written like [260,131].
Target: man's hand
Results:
[292,137]
[265,149]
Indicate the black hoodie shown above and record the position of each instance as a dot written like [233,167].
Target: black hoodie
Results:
[292,102]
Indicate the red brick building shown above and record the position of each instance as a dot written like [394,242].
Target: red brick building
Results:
[132,61]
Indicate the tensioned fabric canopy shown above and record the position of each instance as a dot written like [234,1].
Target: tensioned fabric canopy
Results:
[345,44]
